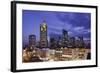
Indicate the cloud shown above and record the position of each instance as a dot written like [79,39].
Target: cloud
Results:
[65,17]
[54,30]
[76,19]
[87,39]
[81,30]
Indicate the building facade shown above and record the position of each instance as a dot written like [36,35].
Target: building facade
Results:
[64,38]
[43,35]
[32,41]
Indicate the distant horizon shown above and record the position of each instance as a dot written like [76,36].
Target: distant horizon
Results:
[76,24]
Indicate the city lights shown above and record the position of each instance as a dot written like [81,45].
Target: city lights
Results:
[64,48]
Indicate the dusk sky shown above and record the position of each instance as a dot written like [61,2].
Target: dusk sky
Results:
[75,23]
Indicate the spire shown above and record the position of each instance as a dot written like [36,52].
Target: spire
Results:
[44,22]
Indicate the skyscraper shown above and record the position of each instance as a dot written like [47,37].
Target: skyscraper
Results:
[64,38]
[71,42]
[43,35]
[81,44]
[53,43]
[32,41]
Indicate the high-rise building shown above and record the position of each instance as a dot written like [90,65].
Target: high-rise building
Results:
[59,42]
[53,43]
[71,42]
[64,38]
[81,44]
[43,35]
[32,41]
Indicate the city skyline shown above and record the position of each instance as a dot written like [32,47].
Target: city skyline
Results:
[74,23]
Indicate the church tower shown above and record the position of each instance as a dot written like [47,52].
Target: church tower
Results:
[43,35]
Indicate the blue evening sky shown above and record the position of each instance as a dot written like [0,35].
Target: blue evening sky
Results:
[76,24]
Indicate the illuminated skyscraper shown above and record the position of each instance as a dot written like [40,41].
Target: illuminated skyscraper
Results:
[43,35]
[64,38]
[32,41]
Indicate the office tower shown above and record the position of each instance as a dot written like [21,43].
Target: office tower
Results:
[32,41]
[43,35]
[53,43]
[72,42]
[59,42]
[81,42]
[64,38]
